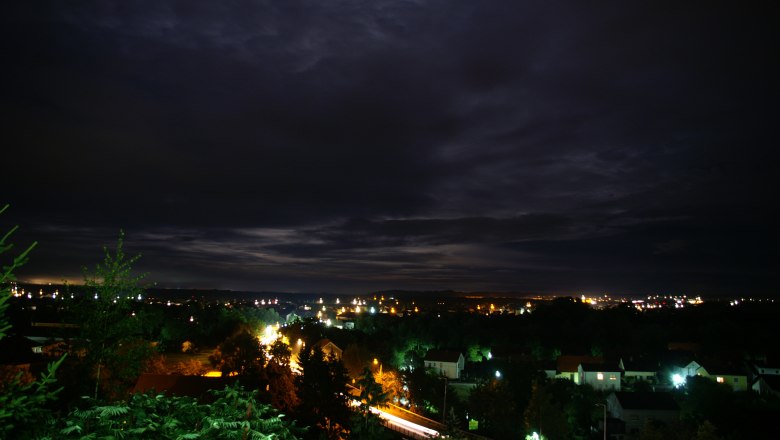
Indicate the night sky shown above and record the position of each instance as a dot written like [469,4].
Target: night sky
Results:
[354,146]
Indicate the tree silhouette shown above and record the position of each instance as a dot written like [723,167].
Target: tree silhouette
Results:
[240,354]
[366,424]
[322,390]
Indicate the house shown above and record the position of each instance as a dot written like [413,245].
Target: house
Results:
[329,349]
[550,369]
[765,376]
[639,370]
[764,368]
[767,385]
[600,376]
[676,370]
[725,373]
[636,409]
[445,362]
[692,368]
[567,366]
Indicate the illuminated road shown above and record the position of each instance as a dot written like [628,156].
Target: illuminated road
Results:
[404,426]
[410,424]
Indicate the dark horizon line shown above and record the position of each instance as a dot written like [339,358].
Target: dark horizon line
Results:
[411,292]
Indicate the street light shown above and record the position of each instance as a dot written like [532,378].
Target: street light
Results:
[605,418]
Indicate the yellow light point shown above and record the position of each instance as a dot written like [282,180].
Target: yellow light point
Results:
[492,307]
[416,309]
[357,309]
[479,307]
[392,309]
[300,341]
[376,361]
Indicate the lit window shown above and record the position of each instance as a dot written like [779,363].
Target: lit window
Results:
[612,377]
[600,376]
[719,379]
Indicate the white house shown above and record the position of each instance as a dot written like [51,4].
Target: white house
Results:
[445,363]
[601,377]
[636,409]
[568,366]
[329,349]
[639,370]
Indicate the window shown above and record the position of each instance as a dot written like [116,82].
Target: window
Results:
[719,379]
[600,376]
[612,377]
[736,380]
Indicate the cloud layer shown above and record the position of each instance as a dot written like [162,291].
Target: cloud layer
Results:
[294,145]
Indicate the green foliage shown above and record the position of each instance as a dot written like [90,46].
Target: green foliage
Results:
[7,274]
[115,351]
[426,390]
[23,411]
[235,414]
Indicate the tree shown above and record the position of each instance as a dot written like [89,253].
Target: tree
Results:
[240,354]
[545,415]
[278,378]
[322,390]
[492,404]
[111,336]
[366,424]
[391,384]
[22,402]
[280,387]
[189,367]
[280,353]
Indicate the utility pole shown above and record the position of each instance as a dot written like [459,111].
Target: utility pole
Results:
[444,408]
[605,418]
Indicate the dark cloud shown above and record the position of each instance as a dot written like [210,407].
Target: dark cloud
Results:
[414,144]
